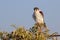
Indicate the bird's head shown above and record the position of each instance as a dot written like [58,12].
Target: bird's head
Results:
[36,9]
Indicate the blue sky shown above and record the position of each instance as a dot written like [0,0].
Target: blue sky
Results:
[20,12]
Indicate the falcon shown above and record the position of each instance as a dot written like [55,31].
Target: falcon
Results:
[38,17]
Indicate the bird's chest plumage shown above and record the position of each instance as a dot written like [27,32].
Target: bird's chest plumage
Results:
[39,17]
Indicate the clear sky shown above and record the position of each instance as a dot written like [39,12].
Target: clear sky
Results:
[20,12]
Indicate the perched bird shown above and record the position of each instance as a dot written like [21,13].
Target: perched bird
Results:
[38,17]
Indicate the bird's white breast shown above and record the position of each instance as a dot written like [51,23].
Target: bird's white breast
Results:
[39,17]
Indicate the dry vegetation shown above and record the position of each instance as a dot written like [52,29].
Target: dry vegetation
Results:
[22,34]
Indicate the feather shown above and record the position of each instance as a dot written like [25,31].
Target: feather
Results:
[42,13]
[34,17]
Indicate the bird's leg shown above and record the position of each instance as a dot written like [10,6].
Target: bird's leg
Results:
[39,27]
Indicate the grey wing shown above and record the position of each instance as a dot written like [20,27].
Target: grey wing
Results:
[34,17]
[42,13]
